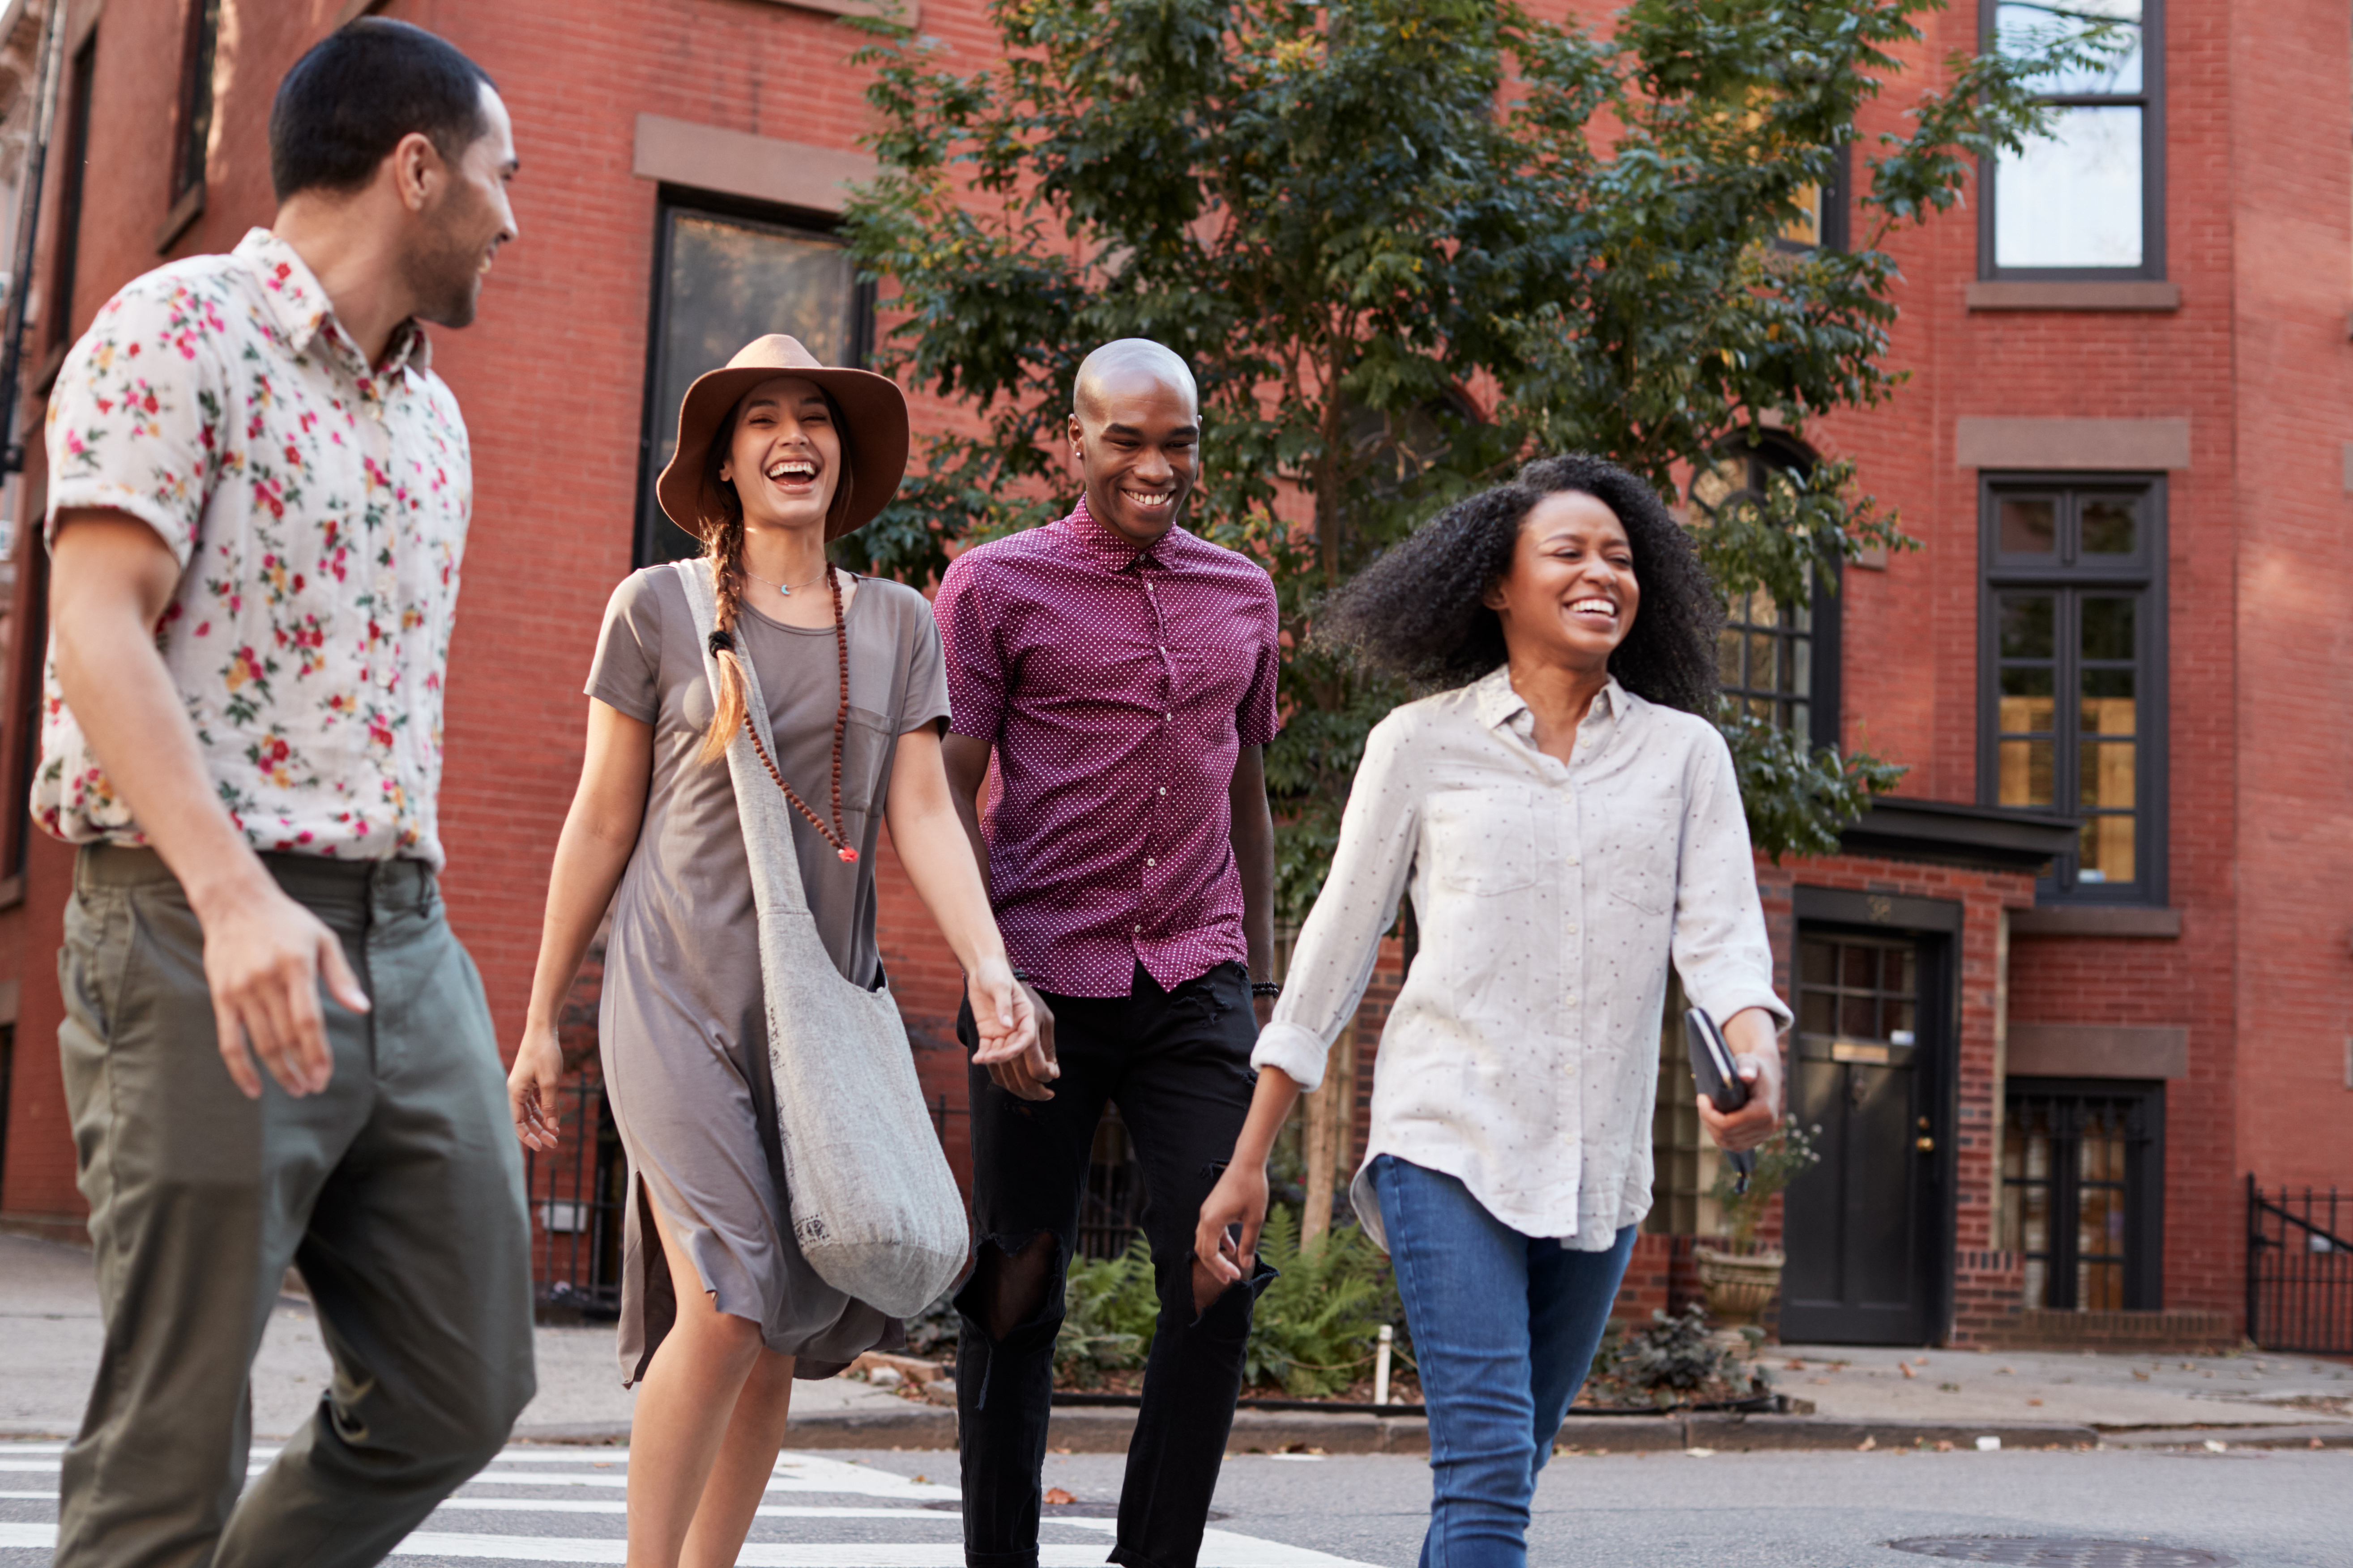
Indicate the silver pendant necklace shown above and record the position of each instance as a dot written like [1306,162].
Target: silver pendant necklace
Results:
[783,588]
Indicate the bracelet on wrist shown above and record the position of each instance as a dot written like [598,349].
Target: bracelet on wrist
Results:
[1266,988]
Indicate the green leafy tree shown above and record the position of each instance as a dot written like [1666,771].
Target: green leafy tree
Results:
[1406,244]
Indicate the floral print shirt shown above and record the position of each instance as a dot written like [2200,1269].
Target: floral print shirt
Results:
[318,508]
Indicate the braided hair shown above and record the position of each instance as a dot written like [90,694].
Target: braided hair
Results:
[723,546]
[1416,612]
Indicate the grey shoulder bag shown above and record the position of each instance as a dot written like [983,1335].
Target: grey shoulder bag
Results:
[874,1207]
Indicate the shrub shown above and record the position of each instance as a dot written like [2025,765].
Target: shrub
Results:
[1109,1307]
[1672,1360]
[1314,1329]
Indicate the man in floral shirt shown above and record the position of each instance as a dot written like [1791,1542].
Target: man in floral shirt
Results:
[259,496]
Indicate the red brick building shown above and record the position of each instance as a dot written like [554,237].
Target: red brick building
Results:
[2059,1000]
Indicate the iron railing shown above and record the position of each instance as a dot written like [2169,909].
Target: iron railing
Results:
[577,1197]
[2299,1271]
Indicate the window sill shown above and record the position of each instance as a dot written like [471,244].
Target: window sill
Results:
[183,213]
[2125,294]
[2092,920]
[905,12]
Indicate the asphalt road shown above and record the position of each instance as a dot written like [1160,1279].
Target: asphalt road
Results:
[2263,1509]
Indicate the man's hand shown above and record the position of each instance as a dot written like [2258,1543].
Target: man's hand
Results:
[1218,1260]
[264,957]
[1757,1060]
[532,1085]
[1017,1032]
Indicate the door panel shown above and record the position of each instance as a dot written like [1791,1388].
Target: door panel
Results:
[1860,1227]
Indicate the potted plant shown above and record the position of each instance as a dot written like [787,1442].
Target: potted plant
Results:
[1739,1278]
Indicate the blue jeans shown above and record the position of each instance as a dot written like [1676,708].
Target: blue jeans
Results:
[1504,1326]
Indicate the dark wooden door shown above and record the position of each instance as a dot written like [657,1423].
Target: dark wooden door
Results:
[1860,1226]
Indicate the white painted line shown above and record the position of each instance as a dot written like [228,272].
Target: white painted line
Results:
[770,1510]
[1219,1550]
[796,1472]
[757,1555]
[51,1496]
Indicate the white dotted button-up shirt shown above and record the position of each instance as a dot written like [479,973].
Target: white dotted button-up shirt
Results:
[318,508]
[1522,1056]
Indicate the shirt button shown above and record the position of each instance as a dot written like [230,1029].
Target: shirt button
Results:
[1572,928]
[1571,1000]
[1136,930]
[1164,789]
[1150,861]
[1171,717]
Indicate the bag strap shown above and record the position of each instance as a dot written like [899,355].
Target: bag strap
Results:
[768,828]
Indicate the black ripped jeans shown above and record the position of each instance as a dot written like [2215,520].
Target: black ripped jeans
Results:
[1177,1065]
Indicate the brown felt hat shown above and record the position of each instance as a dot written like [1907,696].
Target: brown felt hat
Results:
[874,433]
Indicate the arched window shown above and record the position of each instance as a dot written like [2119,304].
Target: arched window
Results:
[1778,660]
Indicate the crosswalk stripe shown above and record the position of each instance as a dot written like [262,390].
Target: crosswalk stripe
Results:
[794,1472]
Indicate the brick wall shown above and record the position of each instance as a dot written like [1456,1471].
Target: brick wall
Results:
[2257,236]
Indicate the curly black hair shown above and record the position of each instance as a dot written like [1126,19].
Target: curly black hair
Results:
[1415,610]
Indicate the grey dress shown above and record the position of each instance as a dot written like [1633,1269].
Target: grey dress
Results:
[683,1026]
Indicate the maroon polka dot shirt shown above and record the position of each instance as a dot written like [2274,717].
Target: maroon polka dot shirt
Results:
[1117,686]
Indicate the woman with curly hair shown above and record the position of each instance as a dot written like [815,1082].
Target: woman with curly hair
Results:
[1566,822]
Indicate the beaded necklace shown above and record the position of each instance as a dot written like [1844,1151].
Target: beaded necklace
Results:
[832,831]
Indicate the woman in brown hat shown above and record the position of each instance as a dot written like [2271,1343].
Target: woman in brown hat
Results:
[777,455]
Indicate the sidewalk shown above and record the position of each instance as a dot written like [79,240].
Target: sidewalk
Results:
[48,1316]
[48,1323]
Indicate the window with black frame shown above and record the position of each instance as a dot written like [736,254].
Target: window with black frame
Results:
[723,275]
[1779,661]
[1822,220]
[2072,710]
[65,258]
[192,135]
[2082,1167]
[2087,200]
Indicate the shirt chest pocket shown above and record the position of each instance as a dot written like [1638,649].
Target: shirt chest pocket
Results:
[1487,842]
[1644,847]
[1210,678]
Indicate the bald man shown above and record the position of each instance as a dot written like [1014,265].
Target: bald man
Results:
[1122,672]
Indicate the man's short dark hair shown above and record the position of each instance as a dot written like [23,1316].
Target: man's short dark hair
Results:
[347,103]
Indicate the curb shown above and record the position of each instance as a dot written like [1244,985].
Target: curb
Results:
[1092,1431]
[2330,1435]
[1095,1431]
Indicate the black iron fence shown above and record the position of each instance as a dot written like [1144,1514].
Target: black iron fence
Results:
[2299,1271]
[577,1196]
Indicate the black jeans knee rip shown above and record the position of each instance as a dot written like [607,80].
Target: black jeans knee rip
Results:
[1176,1062]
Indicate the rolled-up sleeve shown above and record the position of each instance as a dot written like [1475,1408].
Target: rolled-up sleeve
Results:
[1339,944]
[133,420]
[1721,949]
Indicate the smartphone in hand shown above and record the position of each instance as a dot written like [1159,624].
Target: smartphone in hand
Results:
[1718,1078]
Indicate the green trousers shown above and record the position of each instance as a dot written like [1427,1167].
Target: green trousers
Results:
[397,1191]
